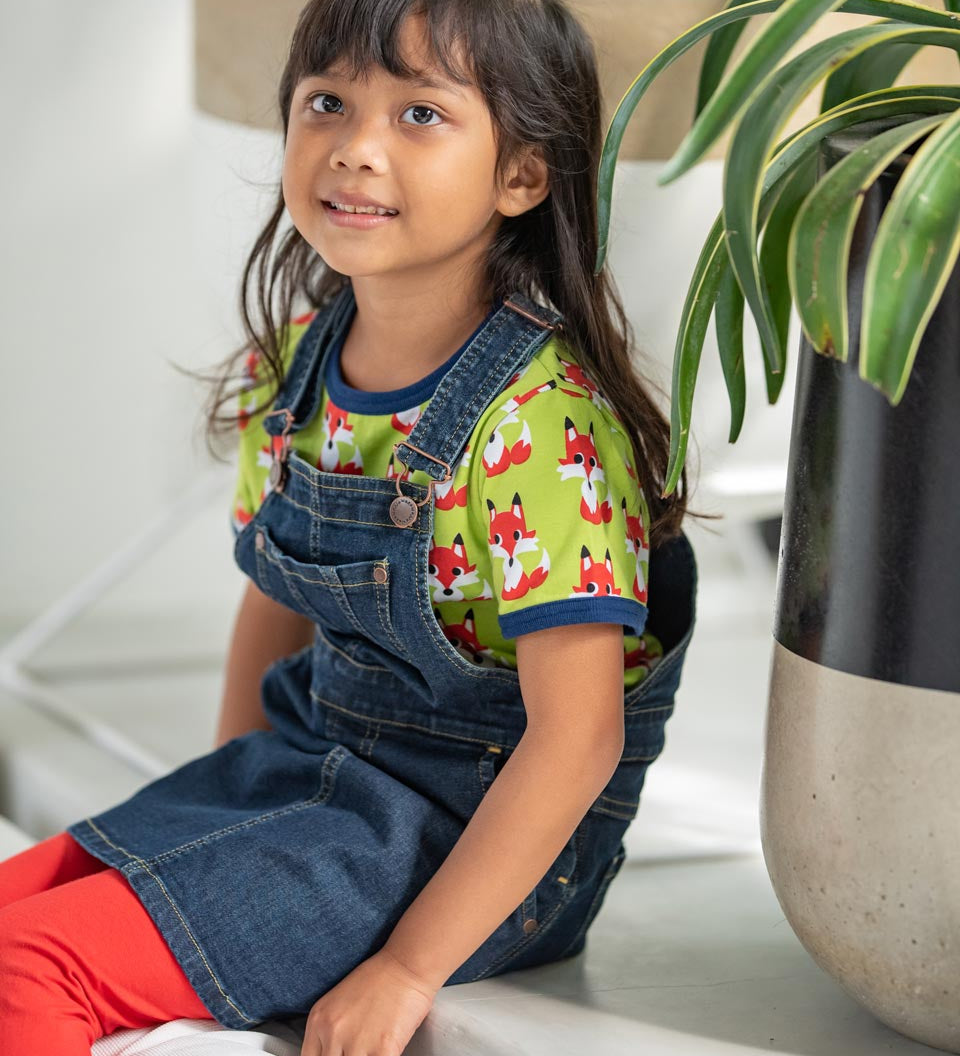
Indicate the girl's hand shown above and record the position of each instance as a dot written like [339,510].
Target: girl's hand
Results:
[373,1011]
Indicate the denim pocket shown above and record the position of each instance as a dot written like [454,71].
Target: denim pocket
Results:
[358,652]
[351,597]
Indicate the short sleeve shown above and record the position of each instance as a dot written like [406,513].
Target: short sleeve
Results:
[565,517]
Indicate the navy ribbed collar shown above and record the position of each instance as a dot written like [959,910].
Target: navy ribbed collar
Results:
[389,400]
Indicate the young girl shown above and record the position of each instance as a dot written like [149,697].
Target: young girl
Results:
[469,604]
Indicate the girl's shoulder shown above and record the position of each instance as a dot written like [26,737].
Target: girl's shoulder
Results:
[550,415]
[553,385]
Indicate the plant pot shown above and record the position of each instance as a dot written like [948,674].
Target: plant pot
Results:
[860,788]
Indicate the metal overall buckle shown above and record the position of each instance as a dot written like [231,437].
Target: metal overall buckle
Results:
[404,510]
[533,318]
[278,459]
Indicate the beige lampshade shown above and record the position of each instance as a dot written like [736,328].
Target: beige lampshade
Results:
[241,48]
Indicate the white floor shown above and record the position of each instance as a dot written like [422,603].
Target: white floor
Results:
[690,953]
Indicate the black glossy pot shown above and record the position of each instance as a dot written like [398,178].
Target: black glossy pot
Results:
[860,800]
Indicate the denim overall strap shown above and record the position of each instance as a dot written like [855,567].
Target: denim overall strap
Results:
[301,387]
[513,333]
[501,348]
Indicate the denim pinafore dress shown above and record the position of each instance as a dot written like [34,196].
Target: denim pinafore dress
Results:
[278,862]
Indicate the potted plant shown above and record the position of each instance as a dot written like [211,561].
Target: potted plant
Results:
[859,212]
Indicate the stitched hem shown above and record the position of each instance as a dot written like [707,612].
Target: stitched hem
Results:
[586,609]
[169,918]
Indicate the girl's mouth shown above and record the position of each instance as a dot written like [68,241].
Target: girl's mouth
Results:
[358,220]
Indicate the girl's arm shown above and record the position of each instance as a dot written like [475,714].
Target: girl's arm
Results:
[571,680]
[263,631]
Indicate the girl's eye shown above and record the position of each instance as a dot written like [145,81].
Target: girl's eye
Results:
[318,106]
[315,99]
[422,109]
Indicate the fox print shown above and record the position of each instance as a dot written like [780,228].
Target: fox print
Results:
[498,456]
[596,577]
[582,462]
[449,571]
[463,637]
[509,538]
[637,545]
[337,430]
[503,510]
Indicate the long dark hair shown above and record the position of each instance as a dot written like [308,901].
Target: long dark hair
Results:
[535,66]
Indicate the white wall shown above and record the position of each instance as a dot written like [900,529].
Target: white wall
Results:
[125,220]
[121,249]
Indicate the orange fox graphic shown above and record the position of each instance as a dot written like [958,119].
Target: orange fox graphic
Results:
[637,545]
[404,421]
[446,495]
[508,539]
[463,637]
[595,578]
[497,455]
[449,571]
[583,461]
[338,430]
[575,375]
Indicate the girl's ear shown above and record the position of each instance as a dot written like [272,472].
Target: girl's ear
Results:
[528,183]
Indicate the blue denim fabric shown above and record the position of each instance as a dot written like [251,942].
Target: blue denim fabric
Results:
[278,862]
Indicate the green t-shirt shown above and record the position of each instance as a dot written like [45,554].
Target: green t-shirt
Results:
[544,522]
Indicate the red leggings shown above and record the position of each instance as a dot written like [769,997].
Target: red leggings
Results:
[79,955]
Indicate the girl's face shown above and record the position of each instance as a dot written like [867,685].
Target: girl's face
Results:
[427,151]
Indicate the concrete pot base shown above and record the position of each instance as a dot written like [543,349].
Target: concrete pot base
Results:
[859,809]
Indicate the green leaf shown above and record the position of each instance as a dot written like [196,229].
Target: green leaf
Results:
[697,307]
[912,256]
[716,56]
[904,11]
[876,68]
[954,7]
[702,295]
[748,78]
[728,314]
[631,99]
[773,257]
[750,147]
[728,324]
[894,104]
[819,248]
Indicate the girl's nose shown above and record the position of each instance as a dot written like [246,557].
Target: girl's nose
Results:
[358,145]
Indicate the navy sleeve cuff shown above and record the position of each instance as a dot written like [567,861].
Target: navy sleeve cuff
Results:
[586,609]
